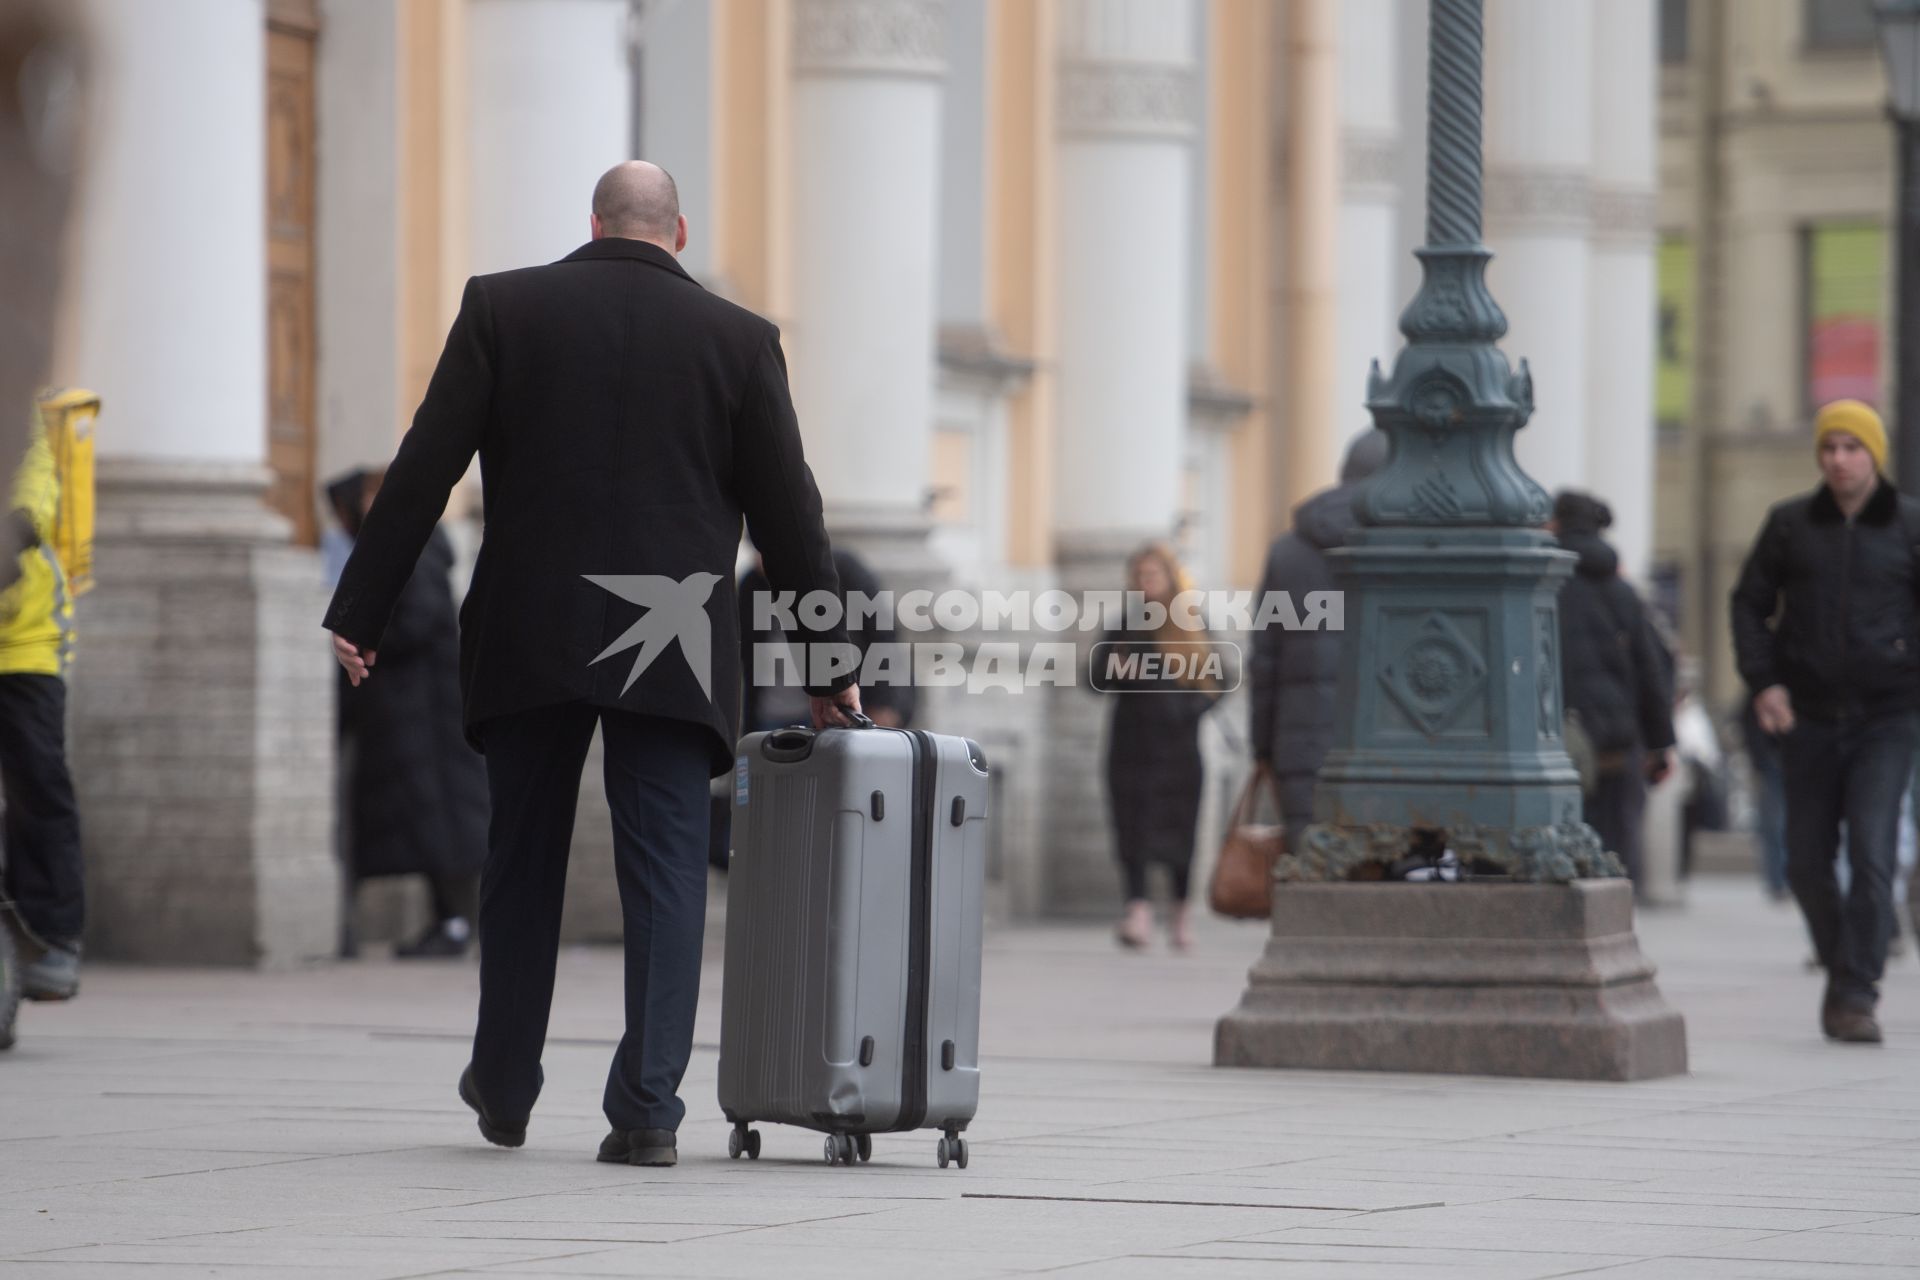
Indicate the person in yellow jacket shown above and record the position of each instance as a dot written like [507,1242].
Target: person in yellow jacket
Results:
[43,873]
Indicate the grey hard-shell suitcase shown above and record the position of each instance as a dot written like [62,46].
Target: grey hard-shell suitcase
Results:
[850,1002]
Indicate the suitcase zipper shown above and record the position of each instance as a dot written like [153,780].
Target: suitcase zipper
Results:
[913,1056]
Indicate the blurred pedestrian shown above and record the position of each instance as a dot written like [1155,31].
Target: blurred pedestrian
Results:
[889,705]
[625,420]
[1769,802]
[1291,676]
[1827,631]
[1154,771]
[44,879]
[416,791]
[1616,680]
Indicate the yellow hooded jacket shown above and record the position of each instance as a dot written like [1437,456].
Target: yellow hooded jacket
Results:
[36,613]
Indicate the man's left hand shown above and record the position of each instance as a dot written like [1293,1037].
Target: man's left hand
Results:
[357,661]
[1659,765]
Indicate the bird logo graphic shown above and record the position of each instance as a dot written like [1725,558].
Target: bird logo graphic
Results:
[675,610]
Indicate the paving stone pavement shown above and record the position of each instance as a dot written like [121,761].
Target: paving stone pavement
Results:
[202,1123]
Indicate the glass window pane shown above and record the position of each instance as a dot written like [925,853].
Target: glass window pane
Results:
[1840,24]
[1673,331]
[1846,270]
[1673,31]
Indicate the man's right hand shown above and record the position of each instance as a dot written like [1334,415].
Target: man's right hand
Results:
[837,711]
[1774,710]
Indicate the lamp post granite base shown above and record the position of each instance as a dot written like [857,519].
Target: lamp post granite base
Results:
[1539,980]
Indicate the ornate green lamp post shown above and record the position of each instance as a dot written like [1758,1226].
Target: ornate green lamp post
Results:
[1449,727]
[1450,686]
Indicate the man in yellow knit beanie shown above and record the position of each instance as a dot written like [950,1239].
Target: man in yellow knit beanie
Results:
[1836,678]
[1851,417]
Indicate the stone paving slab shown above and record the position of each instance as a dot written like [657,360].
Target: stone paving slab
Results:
[205,1123]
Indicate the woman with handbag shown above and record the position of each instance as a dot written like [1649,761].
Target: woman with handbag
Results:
[1162,687]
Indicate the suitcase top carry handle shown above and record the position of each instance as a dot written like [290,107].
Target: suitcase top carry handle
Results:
[785,746]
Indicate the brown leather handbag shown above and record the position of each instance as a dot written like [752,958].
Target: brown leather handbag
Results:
[1242,885]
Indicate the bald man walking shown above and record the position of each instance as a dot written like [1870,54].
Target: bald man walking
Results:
[626,420]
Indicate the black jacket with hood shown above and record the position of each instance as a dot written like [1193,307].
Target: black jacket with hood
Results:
[1613,666]
[1292,675]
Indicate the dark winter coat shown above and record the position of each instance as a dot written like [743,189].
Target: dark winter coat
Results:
[854,577]
[1154,769]
[1292,676]
[1848,636]
[418,791]
[1614,670]
[625,420]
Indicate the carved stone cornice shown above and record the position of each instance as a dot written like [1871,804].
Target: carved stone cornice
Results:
[1154,100]
[1625,213]
[870,37]
[1526,196]
[1369,163]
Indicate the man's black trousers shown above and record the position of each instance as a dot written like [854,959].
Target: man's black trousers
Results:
[44,879]
[656,776]
[1850,771]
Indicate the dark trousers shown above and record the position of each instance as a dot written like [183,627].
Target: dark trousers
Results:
[1296,805]
[656,776]
[43,878]
[1850,771]
[1617,811]
[453,896]
[1179,880]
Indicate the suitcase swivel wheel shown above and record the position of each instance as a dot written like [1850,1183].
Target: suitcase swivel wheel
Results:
[841,1149]
[951,1150]
[743,1141]
[864,1144]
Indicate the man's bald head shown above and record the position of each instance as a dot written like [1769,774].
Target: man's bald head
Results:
[638,201]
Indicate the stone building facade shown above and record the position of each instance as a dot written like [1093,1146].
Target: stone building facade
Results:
[1775,286]
[1055,277]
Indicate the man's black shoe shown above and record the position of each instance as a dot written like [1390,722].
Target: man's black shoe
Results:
[498,1134]
[446,940]
[654,1147]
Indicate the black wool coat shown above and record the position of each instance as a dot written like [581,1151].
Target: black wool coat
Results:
[1292,676]
[626,420]
[417,793]
[1613,666]
[1847,594]
[1155,772]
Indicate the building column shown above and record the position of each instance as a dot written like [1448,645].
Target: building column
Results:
[868,77]
[1620,435]
[1125,106]
[551,86]
[1539,198]
[202,700]
[1369,253]
[552,110]
[1311,313]
[1127,98]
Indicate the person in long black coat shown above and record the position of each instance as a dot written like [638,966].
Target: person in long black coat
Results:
[626,420]
[1155,774]
[1616,676]
[416,794]
[1292,675]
